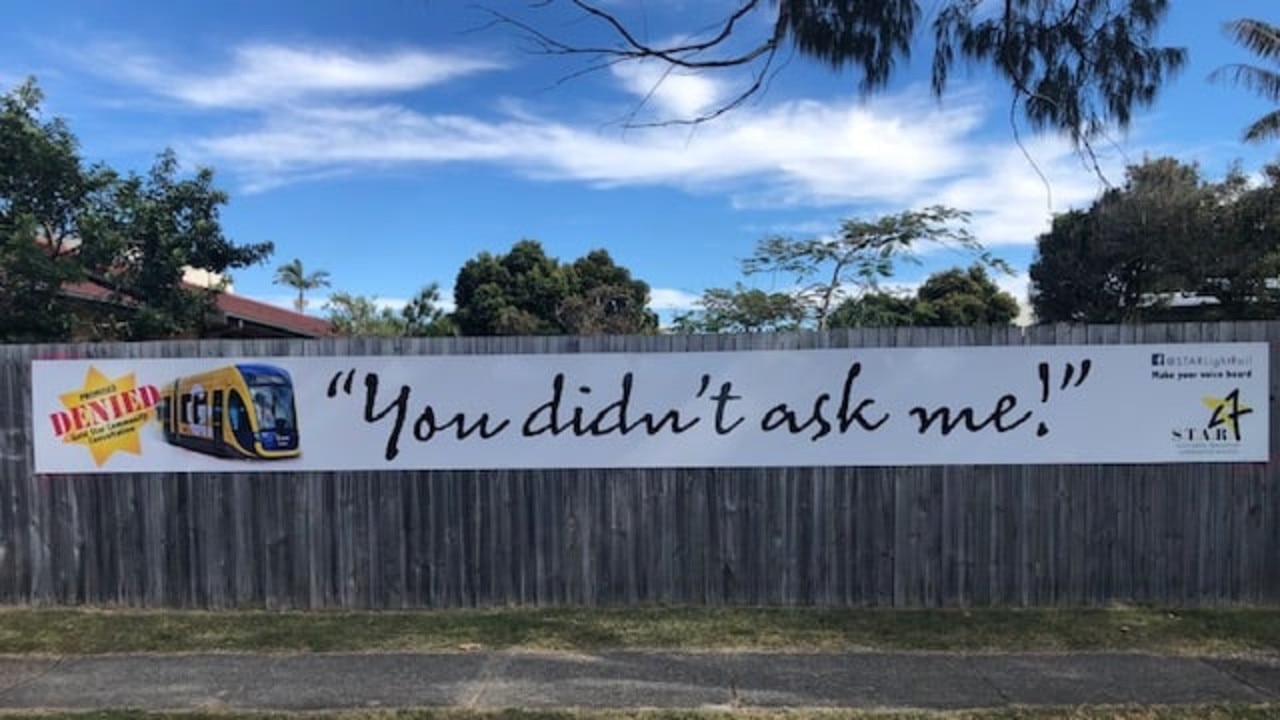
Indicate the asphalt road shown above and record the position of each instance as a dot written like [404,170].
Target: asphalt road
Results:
[625,680]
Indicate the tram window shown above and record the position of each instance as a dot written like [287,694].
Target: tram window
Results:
[238,416]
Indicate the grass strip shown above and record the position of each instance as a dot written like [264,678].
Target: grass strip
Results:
[1130,629]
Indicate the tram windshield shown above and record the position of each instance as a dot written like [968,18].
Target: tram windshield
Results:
[274,405]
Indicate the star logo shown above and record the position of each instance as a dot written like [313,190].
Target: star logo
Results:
[1226,411]
[105,414]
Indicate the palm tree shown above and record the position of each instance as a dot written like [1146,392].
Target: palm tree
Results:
[1263,40]
[293,275]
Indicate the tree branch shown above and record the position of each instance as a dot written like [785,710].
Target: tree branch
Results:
[679,56]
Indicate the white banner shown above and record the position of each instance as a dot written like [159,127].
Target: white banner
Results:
[851,407]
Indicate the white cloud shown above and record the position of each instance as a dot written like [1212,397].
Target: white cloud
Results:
[315,305]
[264,75]
[672,299]
[1019,286]
[674,93]
[322,112]
[393,304]
[804,152]
[1012,202]
[798,153]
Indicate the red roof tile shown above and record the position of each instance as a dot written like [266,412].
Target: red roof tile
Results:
[236,306]
[233,306]
[87,291]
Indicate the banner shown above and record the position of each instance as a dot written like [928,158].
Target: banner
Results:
[1178,403]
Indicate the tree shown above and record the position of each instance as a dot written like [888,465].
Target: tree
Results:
[1133,247]
[1263,40]
[1069,276]
[951,298]
[293,275]
[1241,268]
[604,299]
[424,316]
[46,198]
[364,316]
[1073,66]
[512,294]
[525,292]
[605,310]
[956,298]
[1167,245]
[154,227]
[62,223]
[742,310]
[875,309]
[861,254]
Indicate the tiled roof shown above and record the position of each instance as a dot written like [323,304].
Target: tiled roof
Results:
[234,307]
[239,307]
[87,290]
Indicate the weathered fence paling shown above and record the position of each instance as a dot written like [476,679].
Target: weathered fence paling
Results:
[956,535]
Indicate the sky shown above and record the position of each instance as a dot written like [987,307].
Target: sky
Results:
[387,142]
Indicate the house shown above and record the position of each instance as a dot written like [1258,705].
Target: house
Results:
[241,317]
[235,316]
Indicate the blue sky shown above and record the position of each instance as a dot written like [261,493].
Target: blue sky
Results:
[388,142]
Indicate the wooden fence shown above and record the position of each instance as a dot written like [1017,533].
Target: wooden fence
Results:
[902,537]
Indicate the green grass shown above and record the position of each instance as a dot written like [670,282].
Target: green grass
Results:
[1189,632]
[1190,712]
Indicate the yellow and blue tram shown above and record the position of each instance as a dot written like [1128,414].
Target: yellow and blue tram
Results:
[242,411]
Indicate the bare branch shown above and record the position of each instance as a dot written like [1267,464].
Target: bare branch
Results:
[1017,139]
[686,56]
[634,49]
[672,54]
[746,94]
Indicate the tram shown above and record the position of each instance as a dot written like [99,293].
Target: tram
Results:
[242,411]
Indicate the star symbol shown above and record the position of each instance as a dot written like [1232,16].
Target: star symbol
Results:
[105,429]
[1226,411]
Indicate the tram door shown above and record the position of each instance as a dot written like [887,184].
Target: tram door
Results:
[216,420]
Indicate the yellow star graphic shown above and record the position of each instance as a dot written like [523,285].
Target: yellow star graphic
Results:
[1226,411]
[100,418]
